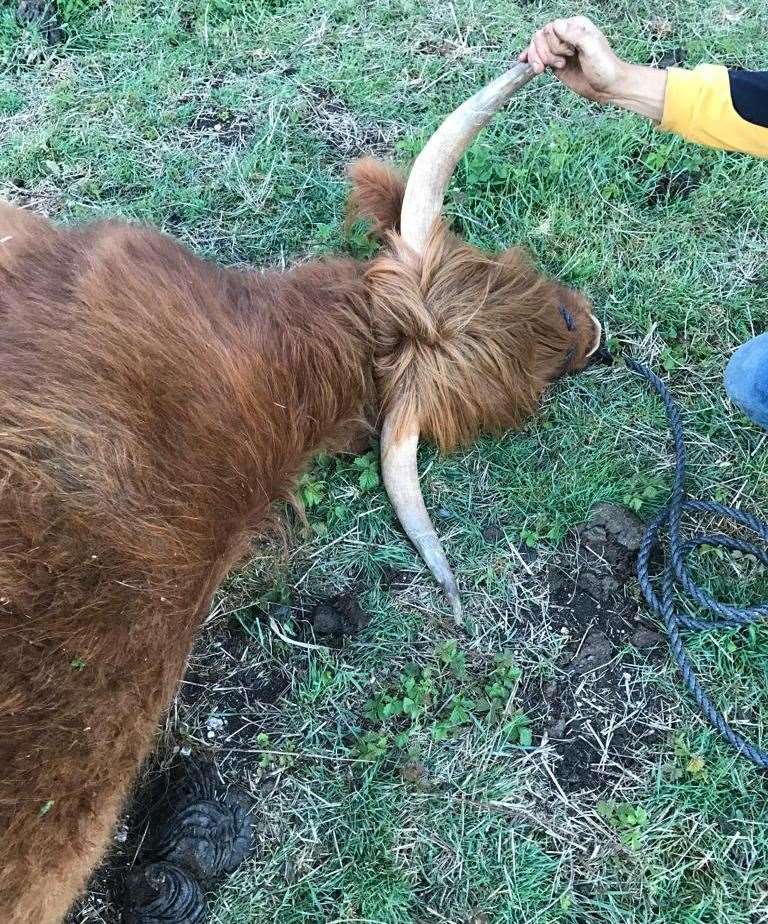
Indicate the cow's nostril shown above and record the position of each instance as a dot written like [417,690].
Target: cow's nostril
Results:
[602,357]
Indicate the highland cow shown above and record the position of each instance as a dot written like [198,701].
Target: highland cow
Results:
[155,406]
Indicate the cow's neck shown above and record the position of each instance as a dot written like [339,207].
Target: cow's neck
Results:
[310,342]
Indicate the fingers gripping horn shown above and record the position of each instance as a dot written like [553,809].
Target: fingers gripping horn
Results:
[422,205]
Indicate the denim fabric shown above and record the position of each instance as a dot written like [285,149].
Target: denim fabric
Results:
[746,379]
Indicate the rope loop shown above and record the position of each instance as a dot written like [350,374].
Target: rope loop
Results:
[675,577]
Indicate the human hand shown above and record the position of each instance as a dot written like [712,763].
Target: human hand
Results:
[579,55]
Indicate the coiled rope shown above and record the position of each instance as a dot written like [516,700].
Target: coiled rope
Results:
[675,575]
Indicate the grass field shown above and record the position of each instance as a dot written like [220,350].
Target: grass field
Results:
[388,791]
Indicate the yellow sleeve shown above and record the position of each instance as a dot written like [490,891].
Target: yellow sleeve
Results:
[698,107]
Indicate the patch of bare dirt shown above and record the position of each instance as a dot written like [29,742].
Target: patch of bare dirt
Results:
[597,712]
[347,132]
[44,15]
[671,57]
[227,127]
[339,617]
[677,185]
[224,702]
[220,707]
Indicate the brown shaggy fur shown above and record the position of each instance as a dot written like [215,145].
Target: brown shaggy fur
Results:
[464,341]
[153,407]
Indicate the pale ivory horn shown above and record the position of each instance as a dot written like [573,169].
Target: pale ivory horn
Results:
[422,205]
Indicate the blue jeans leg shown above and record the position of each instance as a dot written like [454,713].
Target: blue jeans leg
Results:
[746,379]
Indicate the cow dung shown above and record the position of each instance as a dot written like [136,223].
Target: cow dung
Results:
[342,615]
[207,838]
[162,893]
[205,828]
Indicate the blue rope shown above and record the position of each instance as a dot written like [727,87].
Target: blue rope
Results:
[663,604]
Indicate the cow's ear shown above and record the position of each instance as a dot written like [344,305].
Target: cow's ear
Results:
[376,195]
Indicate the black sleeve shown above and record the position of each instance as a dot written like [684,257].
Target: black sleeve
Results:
[749,95]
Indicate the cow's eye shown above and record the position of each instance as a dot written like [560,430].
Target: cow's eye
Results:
[567,317]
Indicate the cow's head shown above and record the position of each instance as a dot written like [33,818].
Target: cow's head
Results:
[465,341]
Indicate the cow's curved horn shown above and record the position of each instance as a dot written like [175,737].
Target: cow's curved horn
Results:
[401,479]
[433,168]
[422,204]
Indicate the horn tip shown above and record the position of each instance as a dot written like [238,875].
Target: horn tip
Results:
[451,591]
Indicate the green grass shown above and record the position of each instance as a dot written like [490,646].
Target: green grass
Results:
[228,124]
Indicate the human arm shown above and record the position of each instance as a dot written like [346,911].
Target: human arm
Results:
[710,105]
